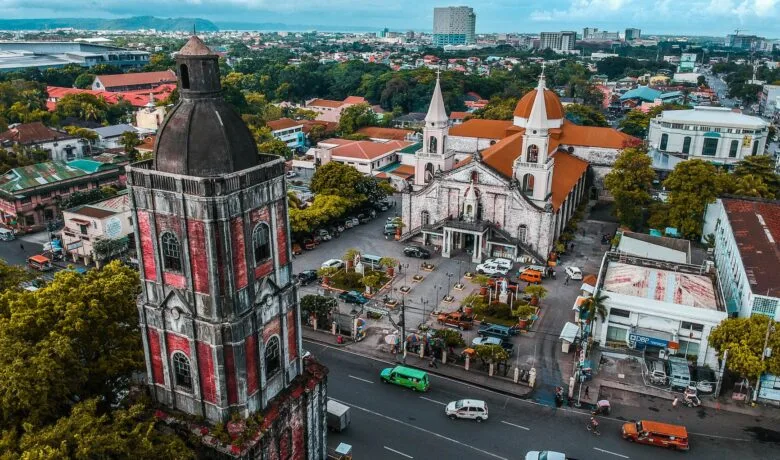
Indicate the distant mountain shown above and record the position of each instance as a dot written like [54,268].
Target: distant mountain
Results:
[281,27]
[131,23]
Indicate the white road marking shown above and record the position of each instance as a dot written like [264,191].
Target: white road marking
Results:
[455,441]
[358,378]
[518,426]
[433,400]
[611,453]
[399,453]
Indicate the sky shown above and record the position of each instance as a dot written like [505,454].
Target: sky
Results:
[680,17]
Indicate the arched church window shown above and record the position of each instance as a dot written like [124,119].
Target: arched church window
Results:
[522,232]
[171,252]
[425,218]
[469,210]
[261,242]
[182,373]
[475,177]
[432,144]
[533,154]
[184,74]
[528,183]
[272,358]
[428,172]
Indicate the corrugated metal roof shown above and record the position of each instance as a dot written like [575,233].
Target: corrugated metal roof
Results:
[19,179]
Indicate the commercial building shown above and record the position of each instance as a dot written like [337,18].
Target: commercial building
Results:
[93,225]
[632,34]
[454,25]
[59,146]
[687,63]
[365,156]
[716,134]
[330,110]
[769,101]
[558,41]
[15,56]
[744,42]
[655,303]
[288,131]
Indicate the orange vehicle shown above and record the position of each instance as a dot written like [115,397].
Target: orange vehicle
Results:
[39,262]
[296,249]
[456,319]
[657,434]
[531,276]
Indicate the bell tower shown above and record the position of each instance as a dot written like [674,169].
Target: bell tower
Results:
[533,168]
[434,156]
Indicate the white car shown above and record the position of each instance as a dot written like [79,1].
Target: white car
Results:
[472,409]
[574,273]
[503,263]
[332,263]
[544,455]
[290,174]
[490,268]
[485,341]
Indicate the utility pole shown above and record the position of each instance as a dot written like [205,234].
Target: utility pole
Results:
[403,327]
[770,327]
[722,370]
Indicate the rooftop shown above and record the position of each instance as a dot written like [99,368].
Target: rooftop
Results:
[375,132]
[26,177]
[714,116]
[32,133]
[114,130]
[364,150]
[104,208]
[486,129]
[756,227]
[283,123]
[138,78]
[659,247]
[658,281]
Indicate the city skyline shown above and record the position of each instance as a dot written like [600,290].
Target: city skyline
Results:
[716,17]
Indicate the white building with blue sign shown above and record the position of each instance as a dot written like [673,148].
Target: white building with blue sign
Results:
[655,305]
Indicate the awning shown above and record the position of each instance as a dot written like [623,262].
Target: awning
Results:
[570,332]
[578,303]
[587,288]
[81,221]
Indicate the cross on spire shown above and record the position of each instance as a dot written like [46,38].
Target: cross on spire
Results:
[438,72]
[542,75]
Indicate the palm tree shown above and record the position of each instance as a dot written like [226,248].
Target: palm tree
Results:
[594,306]
[536,292]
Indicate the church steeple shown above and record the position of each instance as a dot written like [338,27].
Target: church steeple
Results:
[437,114]
[434,156]
[538,117]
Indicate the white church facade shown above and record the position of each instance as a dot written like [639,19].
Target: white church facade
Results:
[495,188]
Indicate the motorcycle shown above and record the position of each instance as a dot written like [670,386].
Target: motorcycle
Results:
[602,408]
[593,426]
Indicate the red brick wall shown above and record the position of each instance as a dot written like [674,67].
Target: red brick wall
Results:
[198,259]
[299,439]
[271,329]
[221,261]
[264,269]
[281,233]
[208,386]
[230,375]
[166,223]
[259,215]
[177,343]
[147,248]
[239,252]
[251,364]
[155,356]
[292,338]
[176,280]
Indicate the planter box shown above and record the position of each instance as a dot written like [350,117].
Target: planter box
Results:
[428,268]
[417,278]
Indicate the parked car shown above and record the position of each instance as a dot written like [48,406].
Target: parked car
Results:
[333,263]
[290,174]
[353,297]
[297,249]
[705,380]
[490,268]
[472,409]
[416,251]
[545,455]
[390,229]
[340,228]
[307,277]
[355,221]
[323,234]
[456,319]
[503,263]
[382,206]
[574,273]
[348,223]
[485,341]
[309,244]
[364,218]
[497,330]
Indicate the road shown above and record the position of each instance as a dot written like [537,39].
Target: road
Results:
[390,422]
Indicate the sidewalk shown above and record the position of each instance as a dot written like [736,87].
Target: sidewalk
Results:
[373,348]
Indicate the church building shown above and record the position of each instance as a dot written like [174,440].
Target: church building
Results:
[218,309]
[504,188]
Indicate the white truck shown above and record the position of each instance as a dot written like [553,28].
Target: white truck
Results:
[338,416]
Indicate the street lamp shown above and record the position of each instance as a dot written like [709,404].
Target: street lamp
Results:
[424,304]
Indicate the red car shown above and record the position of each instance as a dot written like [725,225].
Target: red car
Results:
[309,244]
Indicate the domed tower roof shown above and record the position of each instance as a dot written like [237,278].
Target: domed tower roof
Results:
[202,135]
[539,108]
[551,100]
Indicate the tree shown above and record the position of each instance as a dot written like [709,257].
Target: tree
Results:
[585,115]
[11,276]
[129,141]
[635,123]
[323,209]
[498,108]
[760,167]
[276,147]
[692,185]
[84,106]
[338,179]
[536,291]
[355,117]
[750,186]
[491,353]
[319,306]
[744,339]
[594,306]
[86,136]
[629,183]
[84,81]
[316,134]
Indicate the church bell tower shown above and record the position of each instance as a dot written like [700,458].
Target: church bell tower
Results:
[434,156]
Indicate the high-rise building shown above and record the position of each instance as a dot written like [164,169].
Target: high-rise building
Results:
[558,41]
[218,308]
[745,42]
[454,25]
[588,32]
[633,34]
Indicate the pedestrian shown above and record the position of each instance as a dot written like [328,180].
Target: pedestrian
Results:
[433,361]
[566,282]
[587,390]
[571,248]
[21,246]
[675,402]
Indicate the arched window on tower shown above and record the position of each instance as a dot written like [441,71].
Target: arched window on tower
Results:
[428,172]
[432,141]
[528,183]
[425,218]
[533,154]
[475,176]
[261,242]
[182,374]
[522,231]
[184,74]
[171,252]
[272,357]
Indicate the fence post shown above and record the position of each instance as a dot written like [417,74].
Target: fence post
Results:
[532,377]
[490,370]
[468,361]
[444,357]
[517,374]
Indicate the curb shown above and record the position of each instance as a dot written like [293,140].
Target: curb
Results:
[440,374]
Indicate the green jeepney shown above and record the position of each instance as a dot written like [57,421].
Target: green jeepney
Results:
[415,379]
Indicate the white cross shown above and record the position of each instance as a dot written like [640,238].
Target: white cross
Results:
[438,72]
[542,69]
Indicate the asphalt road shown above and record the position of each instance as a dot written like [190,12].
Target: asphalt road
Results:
[390,422]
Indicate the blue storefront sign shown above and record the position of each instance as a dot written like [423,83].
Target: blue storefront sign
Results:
[641,341]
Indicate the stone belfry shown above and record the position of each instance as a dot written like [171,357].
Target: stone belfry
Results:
[218,309]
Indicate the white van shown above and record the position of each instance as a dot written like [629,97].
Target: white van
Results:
[6,235]
[370,261]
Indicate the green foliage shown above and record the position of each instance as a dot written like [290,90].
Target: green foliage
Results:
[88,196]
[275,147]
[525,311]
[84,81]
[491,353]
[629,183]
[744,339]
[585,115]
[635,123]
[355,117]
[498,108]
[482,280]
[451,338]
[692,186]
[338,179]
[12,275]
[594,306]
[618,67]
[22,101]
[759,171]
[130,141]
[318,305]
[323,209]
[536,290]
[159,62]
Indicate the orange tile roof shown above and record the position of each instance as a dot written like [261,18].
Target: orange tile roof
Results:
[464,161]
[385,133]
[283,123]
[330,126]
[148,144]
[502,155]
[551,100]
[568,170]
[366,150]
[593,136]
[354,100]
[486,129]
[324,103]
[458,115]
[403,171]
[139,78]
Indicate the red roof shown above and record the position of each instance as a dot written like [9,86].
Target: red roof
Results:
[458,115]
[385,133]
[330,126]
[134,79]
[551,100]
[283,123]
[594,136]
[502,155]
[354,100]
[138,98]
[363,150]
[32,133]
[568,171]
[324,103]
[485,129]
[758,241]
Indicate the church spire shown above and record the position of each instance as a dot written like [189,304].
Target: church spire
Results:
[538,117]
[436,111]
